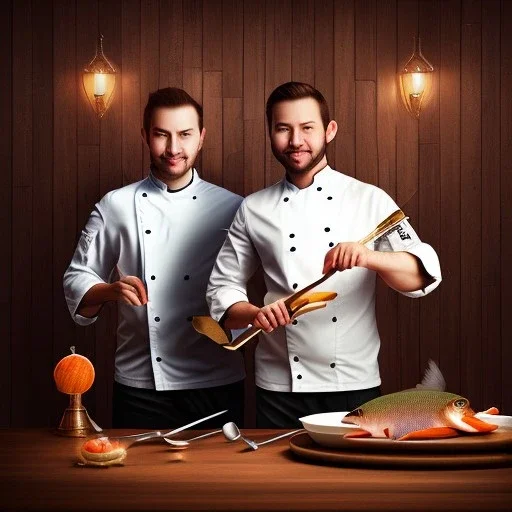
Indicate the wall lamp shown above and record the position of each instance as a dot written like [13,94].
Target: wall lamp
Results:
[416,81]
[99,80]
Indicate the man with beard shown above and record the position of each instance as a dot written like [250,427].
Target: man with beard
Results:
[297,229]
[150,247]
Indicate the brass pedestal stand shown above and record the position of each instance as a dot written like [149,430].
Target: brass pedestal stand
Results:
[75,421]
[74,375]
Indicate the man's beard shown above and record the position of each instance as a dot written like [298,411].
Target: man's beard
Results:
[283,160]
[159,166]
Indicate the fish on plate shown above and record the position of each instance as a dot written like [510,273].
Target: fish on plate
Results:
[424,412]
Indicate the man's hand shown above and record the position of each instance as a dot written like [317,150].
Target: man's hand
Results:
[271,316]
[129,290]
[346,255]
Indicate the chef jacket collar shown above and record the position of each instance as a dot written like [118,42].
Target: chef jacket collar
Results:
[320,180]
[162,186]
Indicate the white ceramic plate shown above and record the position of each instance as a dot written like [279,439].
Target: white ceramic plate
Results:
[326,428]
[496,419]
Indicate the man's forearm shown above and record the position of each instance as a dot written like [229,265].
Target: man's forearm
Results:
[93,300]
[240,315]
[401,271]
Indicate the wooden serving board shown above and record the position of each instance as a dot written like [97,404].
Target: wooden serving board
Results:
[491,450]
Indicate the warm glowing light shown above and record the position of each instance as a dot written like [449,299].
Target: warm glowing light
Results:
[416,81]
[99,80]
[100,84]
[418,84]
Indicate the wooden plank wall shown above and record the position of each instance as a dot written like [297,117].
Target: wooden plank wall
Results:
[451,172]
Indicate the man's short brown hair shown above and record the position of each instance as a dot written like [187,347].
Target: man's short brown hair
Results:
[170,97]
[295,91]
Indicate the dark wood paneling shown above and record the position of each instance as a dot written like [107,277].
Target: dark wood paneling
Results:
[42,255]
[344,86]
[88,192]
[21,354]
[233,140]
[505,210]
[254,101]
[429,26]
[450,247]
[407,198]
[387,299]
[132,103]
[428,227]
[212,35]
[6,125]
[278,68]
[150,51]
[471,208]
[491,257]
[171,32]
[88,127]
[365,33]
[366,132]
[303,31]
[232,48]
[212,92]
[88,160]
[212,147]
[111,177]
[232,91]
[193,49]
[324,57]
[429,189]
[64,212]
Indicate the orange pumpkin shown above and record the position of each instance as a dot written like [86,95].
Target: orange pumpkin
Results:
[74,374]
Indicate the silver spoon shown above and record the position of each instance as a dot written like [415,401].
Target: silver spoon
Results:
[232,433]
[182,444]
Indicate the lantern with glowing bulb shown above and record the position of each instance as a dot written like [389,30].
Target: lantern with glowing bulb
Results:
[99,79]
[74,375]
[416,81]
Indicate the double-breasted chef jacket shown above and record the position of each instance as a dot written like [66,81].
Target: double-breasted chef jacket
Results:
[290,230]
[169,240]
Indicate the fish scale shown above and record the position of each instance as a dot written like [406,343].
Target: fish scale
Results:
[405,412]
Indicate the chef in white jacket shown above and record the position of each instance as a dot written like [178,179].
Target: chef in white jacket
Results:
[297,229]
[151,246]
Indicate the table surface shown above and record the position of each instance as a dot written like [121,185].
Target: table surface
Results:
[38,472]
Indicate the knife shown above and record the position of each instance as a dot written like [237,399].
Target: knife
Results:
[156,433]
[176,430]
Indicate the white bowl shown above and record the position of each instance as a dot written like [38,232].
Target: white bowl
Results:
[504,422]
[326,428]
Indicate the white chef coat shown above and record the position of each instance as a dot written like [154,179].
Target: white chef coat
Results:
[170,241]
[289,230]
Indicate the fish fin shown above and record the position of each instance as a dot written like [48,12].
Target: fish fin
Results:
[491,410]
[358,433]
[430,433]
[433,378]
[386,432]
[478,424]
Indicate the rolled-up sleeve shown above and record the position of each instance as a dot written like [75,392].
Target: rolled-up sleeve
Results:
[92,264]
[404,238]
[235,264]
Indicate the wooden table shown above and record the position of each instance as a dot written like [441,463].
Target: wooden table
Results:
[37,472]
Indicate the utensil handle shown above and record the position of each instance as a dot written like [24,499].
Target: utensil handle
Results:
[243,338]
[280,437]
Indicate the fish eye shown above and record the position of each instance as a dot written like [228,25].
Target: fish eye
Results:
[461,403]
